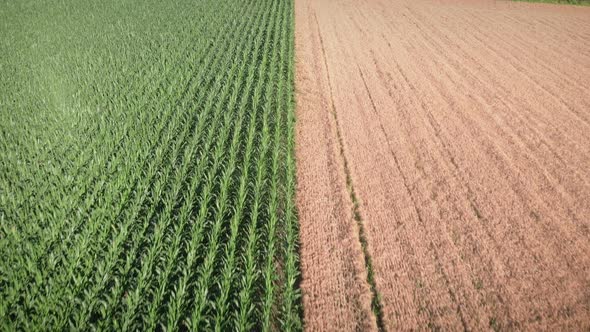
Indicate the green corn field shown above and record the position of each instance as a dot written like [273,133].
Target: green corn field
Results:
[147,172]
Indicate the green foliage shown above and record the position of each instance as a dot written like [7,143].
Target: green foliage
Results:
[147,171]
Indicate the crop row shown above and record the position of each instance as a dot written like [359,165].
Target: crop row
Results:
[146,166]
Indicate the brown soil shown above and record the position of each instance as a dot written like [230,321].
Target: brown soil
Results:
[465,129]
[334,275]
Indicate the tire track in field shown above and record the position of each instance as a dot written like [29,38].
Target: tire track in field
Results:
[332,266]
[464,125]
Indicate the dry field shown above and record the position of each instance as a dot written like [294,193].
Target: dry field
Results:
[443,152]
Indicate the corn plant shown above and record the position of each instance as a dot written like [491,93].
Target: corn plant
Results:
[146,166]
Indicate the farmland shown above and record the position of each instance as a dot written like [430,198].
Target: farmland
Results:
[443,153]
[147,166]
[287,165]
